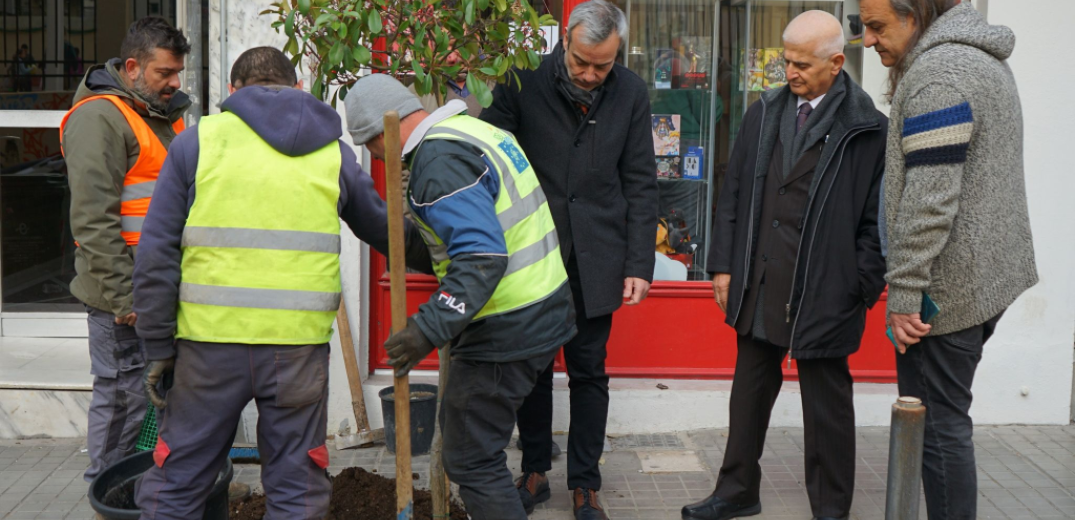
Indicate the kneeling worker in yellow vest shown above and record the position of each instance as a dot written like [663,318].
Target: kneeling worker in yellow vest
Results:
[239,260]
[503,302]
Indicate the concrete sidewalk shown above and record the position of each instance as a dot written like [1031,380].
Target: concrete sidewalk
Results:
[1023,472]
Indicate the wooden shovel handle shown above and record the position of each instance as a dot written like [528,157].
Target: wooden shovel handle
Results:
[398,274]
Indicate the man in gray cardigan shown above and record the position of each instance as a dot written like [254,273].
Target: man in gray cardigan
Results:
[956,216]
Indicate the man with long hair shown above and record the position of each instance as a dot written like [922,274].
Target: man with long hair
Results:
[955,212]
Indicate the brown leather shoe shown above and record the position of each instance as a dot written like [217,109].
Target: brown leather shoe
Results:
[586,505]
[533,489]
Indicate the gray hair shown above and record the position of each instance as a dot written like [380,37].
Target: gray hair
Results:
[599,19]
[817,26]
[924,13]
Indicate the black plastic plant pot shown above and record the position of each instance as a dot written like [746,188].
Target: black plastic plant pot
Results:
[423,417]
[112,491]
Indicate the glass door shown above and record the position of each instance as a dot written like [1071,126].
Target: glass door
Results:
[672,47]
[46,46]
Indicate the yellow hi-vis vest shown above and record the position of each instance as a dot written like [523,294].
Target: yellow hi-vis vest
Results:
[261,247]
[535,270]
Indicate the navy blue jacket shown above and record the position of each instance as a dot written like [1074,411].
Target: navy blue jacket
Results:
[294,123]
[453,189]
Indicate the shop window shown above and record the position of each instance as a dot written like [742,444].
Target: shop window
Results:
[755,41]
[36,246]
[673,48]
[46,47]
[705,62]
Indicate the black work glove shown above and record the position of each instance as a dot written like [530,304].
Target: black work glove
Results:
[407,348]
[155,371]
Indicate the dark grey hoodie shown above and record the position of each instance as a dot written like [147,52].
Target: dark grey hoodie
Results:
[294,123]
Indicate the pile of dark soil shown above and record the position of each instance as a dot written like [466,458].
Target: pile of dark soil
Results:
[356,493]
[121,496]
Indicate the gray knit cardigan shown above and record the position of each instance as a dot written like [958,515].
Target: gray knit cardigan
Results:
[955,196]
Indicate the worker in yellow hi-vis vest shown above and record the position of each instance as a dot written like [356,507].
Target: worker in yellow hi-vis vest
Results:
[240,263]
[503,302]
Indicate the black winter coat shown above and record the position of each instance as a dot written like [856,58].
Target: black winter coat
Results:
[598,174]
[839,271]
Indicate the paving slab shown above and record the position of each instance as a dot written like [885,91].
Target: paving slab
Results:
[1023,471]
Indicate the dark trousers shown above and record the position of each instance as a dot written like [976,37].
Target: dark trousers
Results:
[477,418]
[940,371]
[828,414]
[118,406]
[588,383]
[213,383]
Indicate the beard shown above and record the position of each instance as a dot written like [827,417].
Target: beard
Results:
[154,98]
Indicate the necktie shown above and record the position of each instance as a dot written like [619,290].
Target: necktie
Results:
[804,112]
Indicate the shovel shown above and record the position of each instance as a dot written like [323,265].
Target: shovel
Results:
[364,436]
[398,272]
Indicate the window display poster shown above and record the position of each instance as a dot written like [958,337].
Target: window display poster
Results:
[774,69]
[694,163]
[754,76]
[662,69]
[665,134]
[765,70]
[666,145]
[668,167]
[694,71]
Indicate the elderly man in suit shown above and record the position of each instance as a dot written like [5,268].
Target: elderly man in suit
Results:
[584,121]
[796,262]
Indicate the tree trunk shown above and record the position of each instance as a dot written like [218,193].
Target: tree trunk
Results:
[438,481]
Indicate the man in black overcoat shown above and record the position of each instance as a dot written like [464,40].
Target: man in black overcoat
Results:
[796,262]
[584,122]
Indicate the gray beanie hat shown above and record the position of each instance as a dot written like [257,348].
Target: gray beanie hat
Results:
[367,101]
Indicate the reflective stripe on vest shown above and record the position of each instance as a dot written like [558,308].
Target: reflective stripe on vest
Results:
[521,207]
[261,246]
[535,269]
[140,179]
[259,298]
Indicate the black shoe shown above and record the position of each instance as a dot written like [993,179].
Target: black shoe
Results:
[716,508]
[830,518]
[556,451]
[533,489]
[586,505]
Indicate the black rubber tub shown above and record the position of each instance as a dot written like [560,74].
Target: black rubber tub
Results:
[423,417]
[112,492]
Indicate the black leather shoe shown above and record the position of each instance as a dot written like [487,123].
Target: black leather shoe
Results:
[716,508]
[533,489]
[556,450]
[830,518]
[586,505]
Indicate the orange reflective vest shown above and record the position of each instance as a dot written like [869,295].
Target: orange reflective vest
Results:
[139,181]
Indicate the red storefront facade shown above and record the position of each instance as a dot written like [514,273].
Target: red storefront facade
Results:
[678,331]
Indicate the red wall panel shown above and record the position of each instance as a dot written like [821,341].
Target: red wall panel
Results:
[677,332]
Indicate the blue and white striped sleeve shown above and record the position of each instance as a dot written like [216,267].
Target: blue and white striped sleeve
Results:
[938,137]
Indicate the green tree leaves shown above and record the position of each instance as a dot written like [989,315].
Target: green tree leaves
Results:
[423,42]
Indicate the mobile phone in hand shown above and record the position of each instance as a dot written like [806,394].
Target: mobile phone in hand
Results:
[929,311]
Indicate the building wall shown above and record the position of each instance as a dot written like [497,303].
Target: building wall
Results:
[1033,348]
